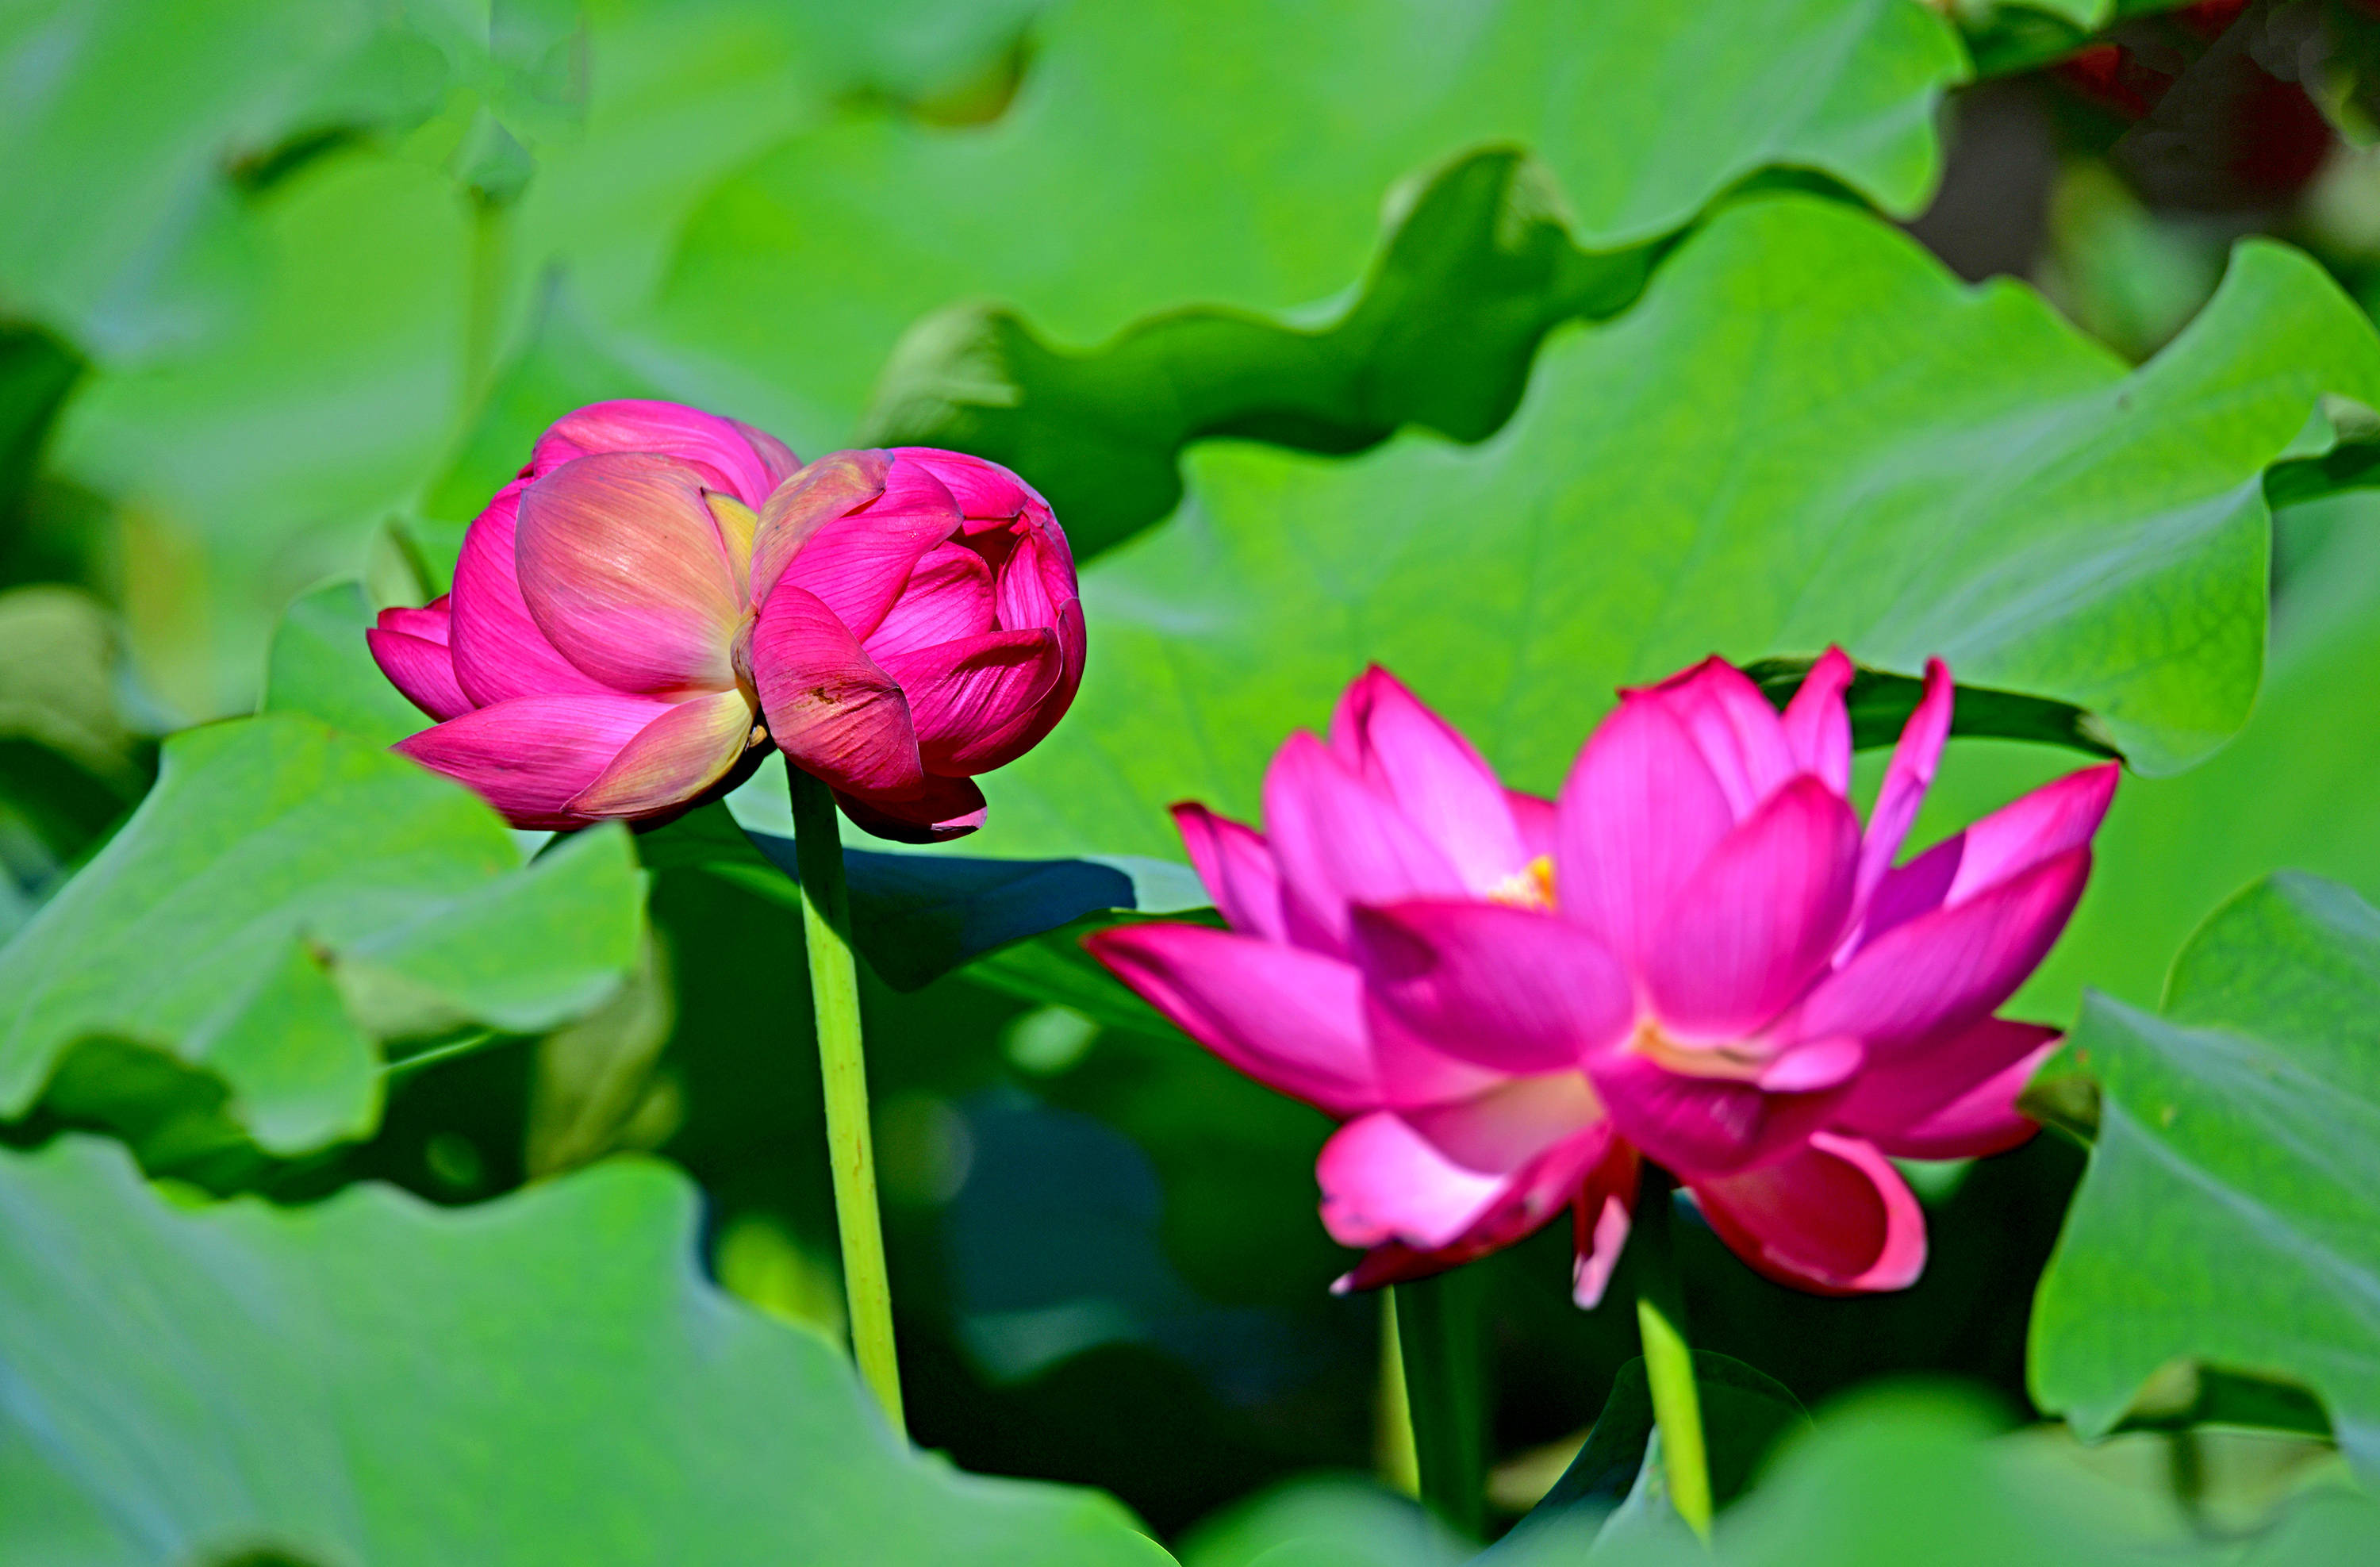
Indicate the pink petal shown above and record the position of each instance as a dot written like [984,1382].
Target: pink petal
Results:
[1949,969]
[1290,1019]
[1601,1213]
[836,484]
[1701,1124]
[1733,725]
[973,702]
[830,707]
[499,651]
[1408,753]
[624,570]
[1537,821]
[945,808]
[1384,1180]
[858,562]
[1509,989]
[671,759]
[730,455]
[1906,778]
[1237,867]
[1637,815]
[1953,1098]
[1817,725]
[2060,815]
[434,622]
[1760,919]
[948,600]
[1035,581]
[423,669]
[530,756]
[984,491]
[1834,1218]
[1339,840]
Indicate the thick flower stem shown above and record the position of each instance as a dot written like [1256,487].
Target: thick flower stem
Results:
[1438,1338]
[1669,1362]
[834,997]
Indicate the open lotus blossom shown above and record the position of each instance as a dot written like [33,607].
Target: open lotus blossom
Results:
[661,592]
[1698,954]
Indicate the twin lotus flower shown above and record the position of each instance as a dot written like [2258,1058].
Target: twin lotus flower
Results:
[1697,954]
[661,594]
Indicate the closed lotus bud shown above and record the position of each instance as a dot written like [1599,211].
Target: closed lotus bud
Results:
[919,625]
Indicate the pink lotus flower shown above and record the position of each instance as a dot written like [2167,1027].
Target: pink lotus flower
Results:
[661,592]
[1696,955]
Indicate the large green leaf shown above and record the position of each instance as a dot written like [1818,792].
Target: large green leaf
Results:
[285,897]
[545,1378]
[1234,152]
[2231,1211]
[1807,432]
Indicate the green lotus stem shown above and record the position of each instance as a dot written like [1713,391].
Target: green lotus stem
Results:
[1437,1338]
[834,997]
[1669,1362]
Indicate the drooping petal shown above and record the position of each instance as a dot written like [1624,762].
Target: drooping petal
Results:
[2060,815]
[1512,990]
[1701,1122]
[1906,778]
[671,759]
[836,484]
[1955,1099]
[1949,969]
[1739,735]
[1384,1180]
[858,562]
[530,756]
[423,669]
[623,571]
[830,707]
[1637,815]
[1291,1020]
[943,809]
[1383,733]
[972,702]
[1818,726]
[948,600]
[1338,840]
[730,455]
[499,651]
[1601,1215]
[1759,919]
[1834,1217]
[1236,865]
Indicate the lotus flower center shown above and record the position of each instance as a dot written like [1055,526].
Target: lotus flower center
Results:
[1736,1059]
[1532,886]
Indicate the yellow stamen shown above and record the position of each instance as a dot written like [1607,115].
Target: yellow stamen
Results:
[1532,886]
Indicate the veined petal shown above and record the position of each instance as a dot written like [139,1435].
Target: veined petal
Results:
[434,622]
[2062,814]
[1522,1204]
[671,759]
[1385,1179]
[730,454]
[1408,753]
[1739,735]
[1236,865]
[1948,968]
[1834,1217]
[499,651]
[1817,724]
[973,702]
[624,570]
[837,483]
[984,491]
[948,600]
[1290,1019]
[1906,778]
[1637,815]
[1953,1098]
[858,562]
[423,669]
[1760,918]
[1339,840]
[1511,990]
[943,809]
[1701,1124]
[830,707]
[530,756]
